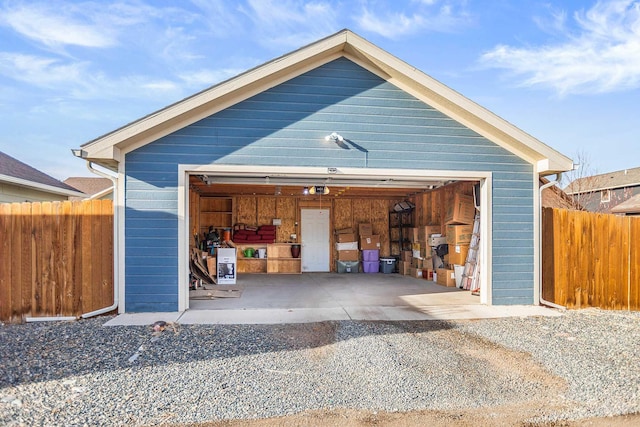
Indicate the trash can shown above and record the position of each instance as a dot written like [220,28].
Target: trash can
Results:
[387,265]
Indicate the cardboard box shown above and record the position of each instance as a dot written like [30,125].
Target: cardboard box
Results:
[346,237]
[436,240]
[406,256]
[211,265]
[459,234]
[446,277]
[349,255]
[370,242]
[427,263]
[458,254]
[426,231]
[404,268]
[365,230]
[461,210]
[416,262]
[345,231]
[415,272]
[349,246]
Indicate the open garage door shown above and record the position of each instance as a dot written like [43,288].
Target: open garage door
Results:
[229,197]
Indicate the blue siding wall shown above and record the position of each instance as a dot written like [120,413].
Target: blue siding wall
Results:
[384,127]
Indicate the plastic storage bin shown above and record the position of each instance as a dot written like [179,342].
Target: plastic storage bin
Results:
[387,265]
[370,266]
[348,266]
[371,255]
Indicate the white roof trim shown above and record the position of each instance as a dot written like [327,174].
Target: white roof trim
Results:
[600,188]
[344,43]
[42,187]
[101,193]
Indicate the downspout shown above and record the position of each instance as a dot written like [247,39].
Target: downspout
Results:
[541,300]
[115,304]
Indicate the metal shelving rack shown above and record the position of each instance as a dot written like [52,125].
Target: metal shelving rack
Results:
[400,221]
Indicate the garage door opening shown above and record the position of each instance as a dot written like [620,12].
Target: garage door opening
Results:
[372,219]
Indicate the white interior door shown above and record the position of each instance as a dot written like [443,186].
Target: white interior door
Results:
[314,232]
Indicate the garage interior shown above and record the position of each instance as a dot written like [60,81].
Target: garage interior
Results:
[400,216]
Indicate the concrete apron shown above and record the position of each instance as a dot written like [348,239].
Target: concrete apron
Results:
[317,297]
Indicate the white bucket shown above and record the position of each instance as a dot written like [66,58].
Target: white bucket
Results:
[457,271]
[262,253]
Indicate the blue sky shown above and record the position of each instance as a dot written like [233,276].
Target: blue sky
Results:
[566,72]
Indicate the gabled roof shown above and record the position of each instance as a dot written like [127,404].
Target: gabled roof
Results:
[605,181]
[628,207]
[15,172]
[109,149]
[89,185]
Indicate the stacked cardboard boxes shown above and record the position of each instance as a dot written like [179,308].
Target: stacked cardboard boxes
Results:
[418,262]
[348,256]
[459,229]
[353,249]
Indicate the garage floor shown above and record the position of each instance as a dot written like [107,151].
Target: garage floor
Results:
[318,297]
[332,290]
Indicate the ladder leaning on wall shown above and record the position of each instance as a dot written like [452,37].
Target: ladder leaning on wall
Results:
[471,273]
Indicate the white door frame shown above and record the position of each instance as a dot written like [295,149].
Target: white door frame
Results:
[260,172]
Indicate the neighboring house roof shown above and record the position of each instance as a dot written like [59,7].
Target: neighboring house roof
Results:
[88,185]
[15,172]
[554,197]
[605,181]
[109,150]
[629,207]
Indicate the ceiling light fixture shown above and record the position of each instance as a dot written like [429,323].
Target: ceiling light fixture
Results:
[305,191]
[334,136]
[319,189]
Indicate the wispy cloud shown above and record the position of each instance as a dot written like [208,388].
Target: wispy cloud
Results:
[602,53]
[39,71]
[53,26]
[85,24]
[218,17]
[290,23]
[424,15]
[78,81]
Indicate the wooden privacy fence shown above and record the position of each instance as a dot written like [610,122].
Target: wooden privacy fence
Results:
[590,260]
[56,258]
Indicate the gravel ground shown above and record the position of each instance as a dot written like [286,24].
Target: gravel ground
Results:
[542,370]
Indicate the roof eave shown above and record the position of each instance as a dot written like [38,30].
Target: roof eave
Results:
[40,187]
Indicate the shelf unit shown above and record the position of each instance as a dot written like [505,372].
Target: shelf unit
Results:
[399,224]
[216,212]
[251,265]
[280,261]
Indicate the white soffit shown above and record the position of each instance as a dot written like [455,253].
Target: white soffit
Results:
[362,177]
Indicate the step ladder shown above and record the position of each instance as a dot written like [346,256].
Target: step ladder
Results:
[471,272]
